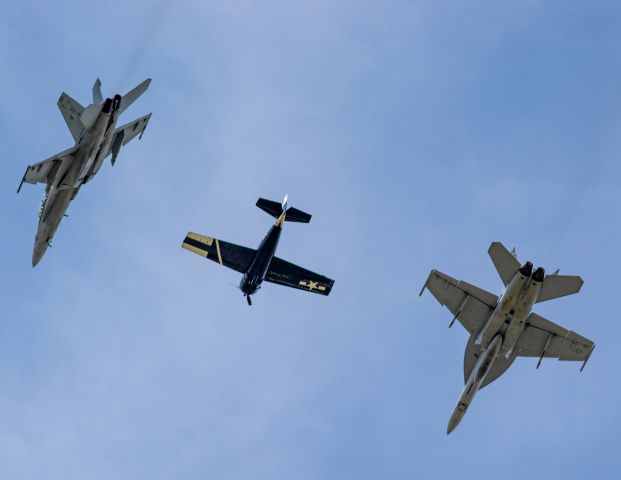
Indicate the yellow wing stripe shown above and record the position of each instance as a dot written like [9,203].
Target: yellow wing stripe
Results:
[199,244]
[218,251]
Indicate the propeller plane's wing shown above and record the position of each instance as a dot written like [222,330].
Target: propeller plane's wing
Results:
[290,275]
[228,254]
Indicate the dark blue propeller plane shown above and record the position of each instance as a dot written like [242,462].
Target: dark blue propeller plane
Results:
[261,264]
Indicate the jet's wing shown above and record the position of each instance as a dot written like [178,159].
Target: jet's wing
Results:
[470,305]
[290,275]
[125,133]
[504,261]
[543,338]
[45,171]
[228,254]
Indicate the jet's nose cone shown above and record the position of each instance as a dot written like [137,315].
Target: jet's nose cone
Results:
[36,259]
[37,254]
[453,422]
[450,428]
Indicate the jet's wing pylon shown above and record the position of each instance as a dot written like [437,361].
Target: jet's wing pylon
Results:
[45,171]
[228,254]
[131,96]
[470,305]
[125,133]
[290,275]
[71,111]
[505,262]
[543,338]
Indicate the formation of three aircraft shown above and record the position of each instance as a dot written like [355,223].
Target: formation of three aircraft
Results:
[501,327]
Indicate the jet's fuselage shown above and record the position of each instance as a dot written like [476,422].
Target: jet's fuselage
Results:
[91,149]
[501,332]
[514,306]
[475,380]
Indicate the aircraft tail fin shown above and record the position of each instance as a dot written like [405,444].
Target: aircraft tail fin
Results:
[276,209]
[131,96]
[97,96]
[71,111]
[555,286]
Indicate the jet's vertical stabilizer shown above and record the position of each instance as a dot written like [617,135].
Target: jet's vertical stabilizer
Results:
[97,96]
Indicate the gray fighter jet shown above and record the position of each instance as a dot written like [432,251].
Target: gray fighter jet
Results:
[502,328]
[93,130]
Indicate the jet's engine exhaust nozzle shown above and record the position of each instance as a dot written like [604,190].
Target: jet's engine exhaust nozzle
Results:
[526,269]
[539,275]
[116,102]
[107,106]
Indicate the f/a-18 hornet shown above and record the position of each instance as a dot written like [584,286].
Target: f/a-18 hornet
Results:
[93,130]
[502,328]
[261,264]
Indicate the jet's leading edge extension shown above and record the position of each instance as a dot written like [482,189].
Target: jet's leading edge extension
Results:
[93,130]
[261,264]
[502,328]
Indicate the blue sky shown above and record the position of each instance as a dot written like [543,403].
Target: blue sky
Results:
[416,133]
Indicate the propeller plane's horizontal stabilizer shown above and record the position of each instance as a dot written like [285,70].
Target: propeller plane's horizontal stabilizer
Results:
[275,209]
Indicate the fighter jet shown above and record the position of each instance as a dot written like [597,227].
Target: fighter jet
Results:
[261,264]
[93,130]
[502,328]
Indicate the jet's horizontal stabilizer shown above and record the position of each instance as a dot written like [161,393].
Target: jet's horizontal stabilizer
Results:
[275,209]
[71,111]
[505,262]
[131,96]
[555,286]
